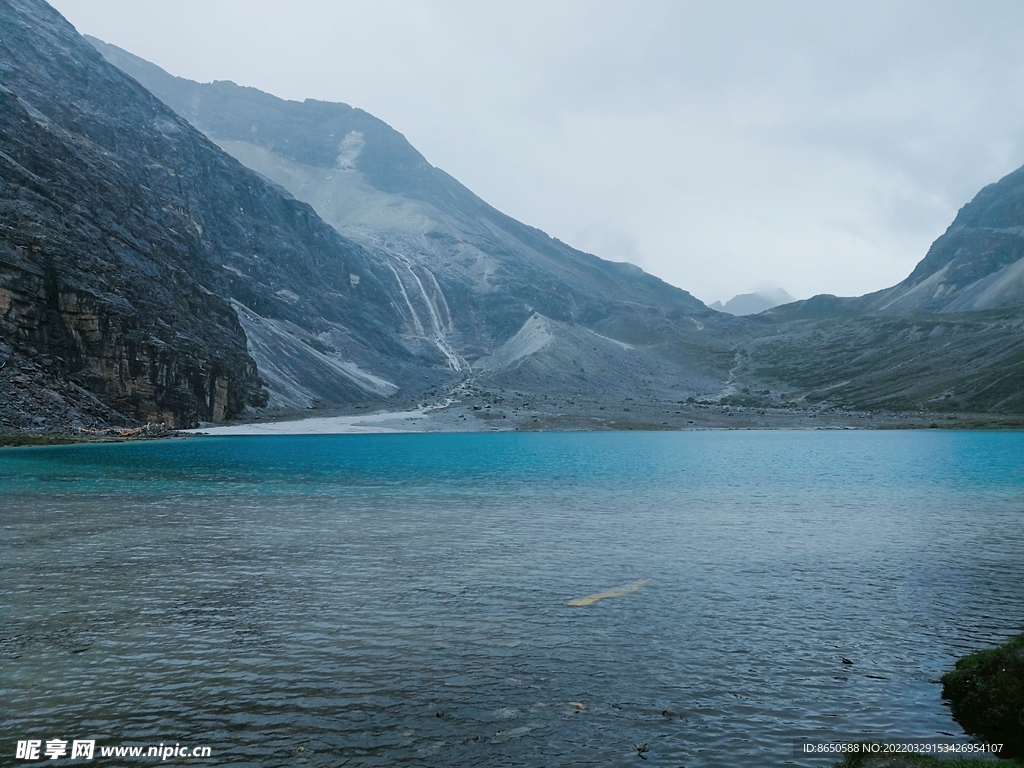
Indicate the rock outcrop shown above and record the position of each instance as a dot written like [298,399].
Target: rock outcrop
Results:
[986,694]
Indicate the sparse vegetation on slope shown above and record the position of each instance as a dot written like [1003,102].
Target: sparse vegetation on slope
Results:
[966,362]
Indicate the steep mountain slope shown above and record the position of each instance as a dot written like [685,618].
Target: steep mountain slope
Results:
[470,277]
[148,274]
[127,239]
[513,309]
[977,264]
[948,338]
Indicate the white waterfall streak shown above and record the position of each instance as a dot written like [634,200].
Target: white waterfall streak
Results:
[440,296]
[417,325]
[435,318]
[438,313]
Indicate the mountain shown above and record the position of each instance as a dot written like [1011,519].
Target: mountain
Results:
[211,251]
[471,277]
[146,275]
[976,265]
[128,241]
[947,339]
[752,303]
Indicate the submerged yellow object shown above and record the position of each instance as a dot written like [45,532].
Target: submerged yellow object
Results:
[580,602]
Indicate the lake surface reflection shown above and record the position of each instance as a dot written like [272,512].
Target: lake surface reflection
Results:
[402,599]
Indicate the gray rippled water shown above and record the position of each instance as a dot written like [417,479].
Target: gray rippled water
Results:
[402,599]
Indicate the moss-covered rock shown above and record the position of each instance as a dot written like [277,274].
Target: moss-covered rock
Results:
[986,694]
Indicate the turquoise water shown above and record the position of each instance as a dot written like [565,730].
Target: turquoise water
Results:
[315,599]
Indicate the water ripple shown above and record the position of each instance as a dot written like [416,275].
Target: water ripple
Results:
[401,600]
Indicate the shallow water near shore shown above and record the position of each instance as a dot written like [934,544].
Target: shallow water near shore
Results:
[403,599]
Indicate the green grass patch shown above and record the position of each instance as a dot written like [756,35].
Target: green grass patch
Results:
[986,695]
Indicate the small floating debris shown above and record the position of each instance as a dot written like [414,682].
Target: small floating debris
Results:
[846,660]
[581,602]
[577,706]
[641,747]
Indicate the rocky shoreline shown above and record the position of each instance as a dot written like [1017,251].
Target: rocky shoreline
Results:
[486,411]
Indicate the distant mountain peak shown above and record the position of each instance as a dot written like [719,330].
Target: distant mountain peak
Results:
[752,303]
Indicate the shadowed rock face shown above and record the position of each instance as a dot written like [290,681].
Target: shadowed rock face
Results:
[124,236]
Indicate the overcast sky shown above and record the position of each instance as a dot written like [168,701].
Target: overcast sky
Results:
[723,146]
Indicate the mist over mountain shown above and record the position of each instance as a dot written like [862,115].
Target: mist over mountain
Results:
[178,252]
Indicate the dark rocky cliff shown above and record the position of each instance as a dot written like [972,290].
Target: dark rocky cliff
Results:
[125,236]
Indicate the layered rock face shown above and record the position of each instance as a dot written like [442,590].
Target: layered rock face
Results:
[125,238]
